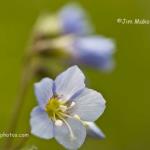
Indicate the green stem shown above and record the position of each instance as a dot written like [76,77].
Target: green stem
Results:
[21,143]
[24,83]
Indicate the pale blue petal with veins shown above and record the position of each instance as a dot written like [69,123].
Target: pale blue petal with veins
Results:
[89,105]
[41,124]
[44,91]
[69,82]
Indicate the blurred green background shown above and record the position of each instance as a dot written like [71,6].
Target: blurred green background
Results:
[126,121]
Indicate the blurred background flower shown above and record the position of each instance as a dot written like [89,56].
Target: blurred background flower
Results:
[94,51]
[73,20]
[74,37]
[70,19]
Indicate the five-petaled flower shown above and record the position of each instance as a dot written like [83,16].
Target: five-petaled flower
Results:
[66,108]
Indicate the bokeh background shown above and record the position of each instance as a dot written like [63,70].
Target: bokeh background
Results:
[126,121]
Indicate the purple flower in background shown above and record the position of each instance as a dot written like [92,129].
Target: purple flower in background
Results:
[95,51]
[73,20]
[67,109]
[74,29]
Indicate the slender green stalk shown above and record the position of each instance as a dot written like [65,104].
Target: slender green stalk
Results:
[21,143]
[27,75]
[30,69]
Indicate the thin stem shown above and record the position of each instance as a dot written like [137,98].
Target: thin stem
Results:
[20,143]
[24,83]
[26,76]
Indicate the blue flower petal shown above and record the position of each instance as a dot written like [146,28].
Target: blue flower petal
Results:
[89,105]
[41,124]
[69,82]
[62,134]
[73,20]
[44,91]
[95,51]
[94,131]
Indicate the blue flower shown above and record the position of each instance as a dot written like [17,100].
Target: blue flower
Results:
[93,51]
[74,20]
[65,109]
